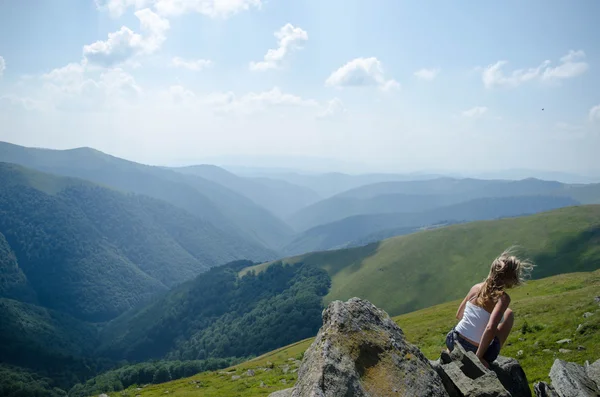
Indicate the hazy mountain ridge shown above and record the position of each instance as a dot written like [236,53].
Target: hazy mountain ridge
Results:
[415,196]
[356,230]
[278,196]
[224,208]
[93,252]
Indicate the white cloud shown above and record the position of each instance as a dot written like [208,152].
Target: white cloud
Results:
[427,74]
[116,8]
[13,102]
[595,113]
[571,65]
[475,112]
[288,39]
[258,101]
[361,72]
[180,95]
[124,43]
[196,65]
[2,66]
[75,87]
[333,108]
[210,8]
[228,103]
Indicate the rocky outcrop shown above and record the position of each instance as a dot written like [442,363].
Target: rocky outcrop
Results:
[464,375]
[593,372]
[570,380]
[361,352]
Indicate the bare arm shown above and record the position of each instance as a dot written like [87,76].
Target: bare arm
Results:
[461,308]
[492,326]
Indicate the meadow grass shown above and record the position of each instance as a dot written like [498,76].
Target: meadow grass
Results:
[546,311]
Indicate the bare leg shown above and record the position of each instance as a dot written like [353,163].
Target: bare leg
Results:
[505,327]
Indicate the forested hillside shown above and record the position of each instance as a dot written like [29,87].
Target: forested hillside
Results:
[224,208]
[221,315]
[93,252]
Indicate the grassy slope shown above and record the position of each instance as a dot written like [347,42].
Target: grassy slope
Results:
[341,233]
[552,307]
[415,271]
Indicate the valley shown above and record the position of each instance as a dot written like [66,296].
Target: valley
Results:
[116,274]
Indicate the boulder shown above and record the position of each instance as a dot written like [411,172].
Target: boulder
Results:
[542,389]
[464,375]
[359,351]
[511,375]
[571,380]
[593,372]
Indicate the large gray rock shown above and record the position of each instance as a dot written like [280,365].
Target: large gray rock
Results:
[511,375]
[593,372]
[464,375]
[571,380]
[542,389]
[359,351]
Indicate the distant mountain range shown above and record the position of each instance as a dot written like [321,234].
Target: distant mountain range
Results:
[104,260]
[363,229]
[424,195]
[277,196]
[224,208]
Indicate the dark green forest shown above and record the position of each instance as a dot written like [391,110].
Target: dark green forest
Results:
[106,251]
[253,314]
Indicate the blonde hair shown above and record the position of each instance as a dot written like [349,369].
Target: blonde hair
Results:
[507,271]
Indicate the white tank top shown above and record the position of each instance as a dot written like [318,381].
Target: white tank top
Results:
[473,322]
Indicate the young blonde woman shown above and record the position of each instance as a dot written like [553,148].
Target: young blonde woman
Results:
[485,319]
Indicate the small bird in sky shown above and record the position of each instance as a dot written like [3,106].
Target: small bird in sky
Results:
[542,108]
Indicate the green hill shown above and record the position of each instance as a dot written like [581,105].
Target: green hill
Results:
[355,229]
[224,208]
[221,315]
[546,311]
[417,196]
[92,252]
[279,197]
[46,342]
[418,270]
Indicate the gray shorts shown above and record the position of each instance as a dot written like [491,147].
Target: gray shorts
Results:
[490,355]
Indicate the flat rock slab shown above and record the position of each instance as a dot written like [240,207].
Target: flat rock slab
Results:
[571,380]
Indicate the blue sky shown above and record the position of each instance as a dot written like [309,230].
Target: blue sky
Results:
[391,85]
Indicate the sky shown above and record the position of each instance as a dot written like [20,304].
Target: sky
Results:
[384,85]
